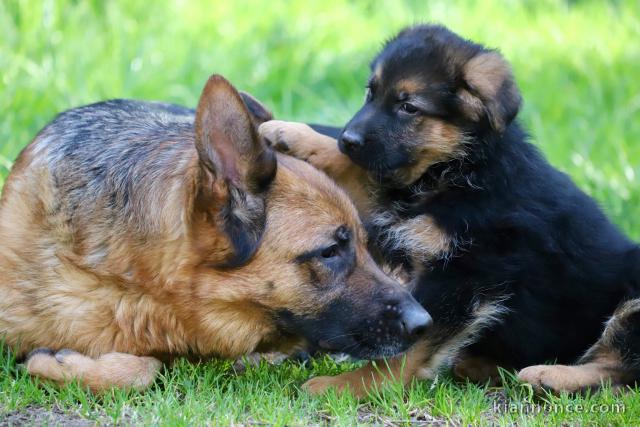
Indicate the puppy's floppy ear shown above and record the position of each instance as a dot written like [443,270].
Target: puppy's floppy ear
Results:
[237,168]
[259,113]
[491,91]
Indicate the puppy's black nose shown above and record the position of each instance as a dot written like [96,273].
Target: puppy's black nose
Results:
[415,320]
[351,141]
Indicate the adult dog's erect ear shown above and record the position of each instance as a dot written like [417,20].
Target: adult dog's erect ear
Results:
[227,139]
[237,167]
[491,92]
[259,113]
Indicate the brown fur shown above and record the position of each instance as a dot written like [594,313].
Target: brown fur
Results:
[302,142]
[409,86]
[119,288]
[491,81]
[558,378]
[373,376]
[107,371]
[439,141]
[421,238]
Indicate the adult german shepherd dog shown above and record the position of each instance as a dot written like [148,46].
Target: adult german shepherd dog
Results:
[516,265]
[135,231]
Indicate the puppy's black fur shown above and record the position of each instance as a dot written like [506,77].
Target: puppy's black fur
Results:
[534,268]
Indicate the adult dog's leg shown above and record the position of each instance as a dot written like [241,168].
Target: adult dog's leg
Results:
[301,141]
[111,370]
[614,359]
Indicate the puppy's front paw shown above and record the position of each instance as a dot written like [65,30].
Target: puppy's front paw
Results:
[320,385]
[556,378]
[294,139]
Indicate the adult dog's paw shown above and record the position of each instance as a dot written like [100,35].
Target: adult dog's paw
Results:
[45,363]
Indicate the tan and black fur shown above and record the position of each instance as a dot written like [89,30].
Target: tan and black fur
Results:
[134,232]
[517,266]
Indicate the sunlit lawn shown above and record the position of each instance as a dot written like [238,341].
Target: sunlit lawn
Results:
[577,63]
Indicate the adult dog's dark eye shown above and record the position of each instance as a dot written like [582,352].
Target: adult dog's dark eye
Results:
[408,108]
[330,252]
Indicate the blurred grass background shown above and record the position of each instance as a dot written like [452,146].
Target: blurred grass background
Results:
[577,62]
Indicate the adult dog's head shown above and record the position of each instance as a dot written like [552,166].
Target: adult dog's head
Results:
[292,258]
[430,95]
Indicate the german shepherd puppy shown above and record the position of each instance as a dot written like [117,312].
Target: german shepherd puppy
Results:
[516,265]
[134,231]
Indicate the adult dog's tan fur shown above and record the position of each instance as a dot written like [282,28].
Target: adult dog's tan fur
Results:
[126,276]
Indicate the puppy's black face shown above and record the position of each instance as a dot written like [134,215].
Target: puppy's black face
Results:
[430,94]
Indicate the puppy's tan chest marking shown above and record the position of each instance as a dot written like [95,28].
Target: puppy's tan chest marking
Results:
[419,237]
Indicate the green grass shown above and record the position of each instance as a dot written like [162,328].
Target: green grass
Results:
[196,394]
[577,63]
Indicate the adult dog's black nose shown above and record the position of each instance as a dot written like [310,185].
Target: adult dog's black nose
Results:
[351,141]
[415,320]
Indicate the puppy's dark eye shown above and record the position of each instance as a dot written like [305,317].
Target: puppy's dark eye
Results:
[407,108]
[330,252]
